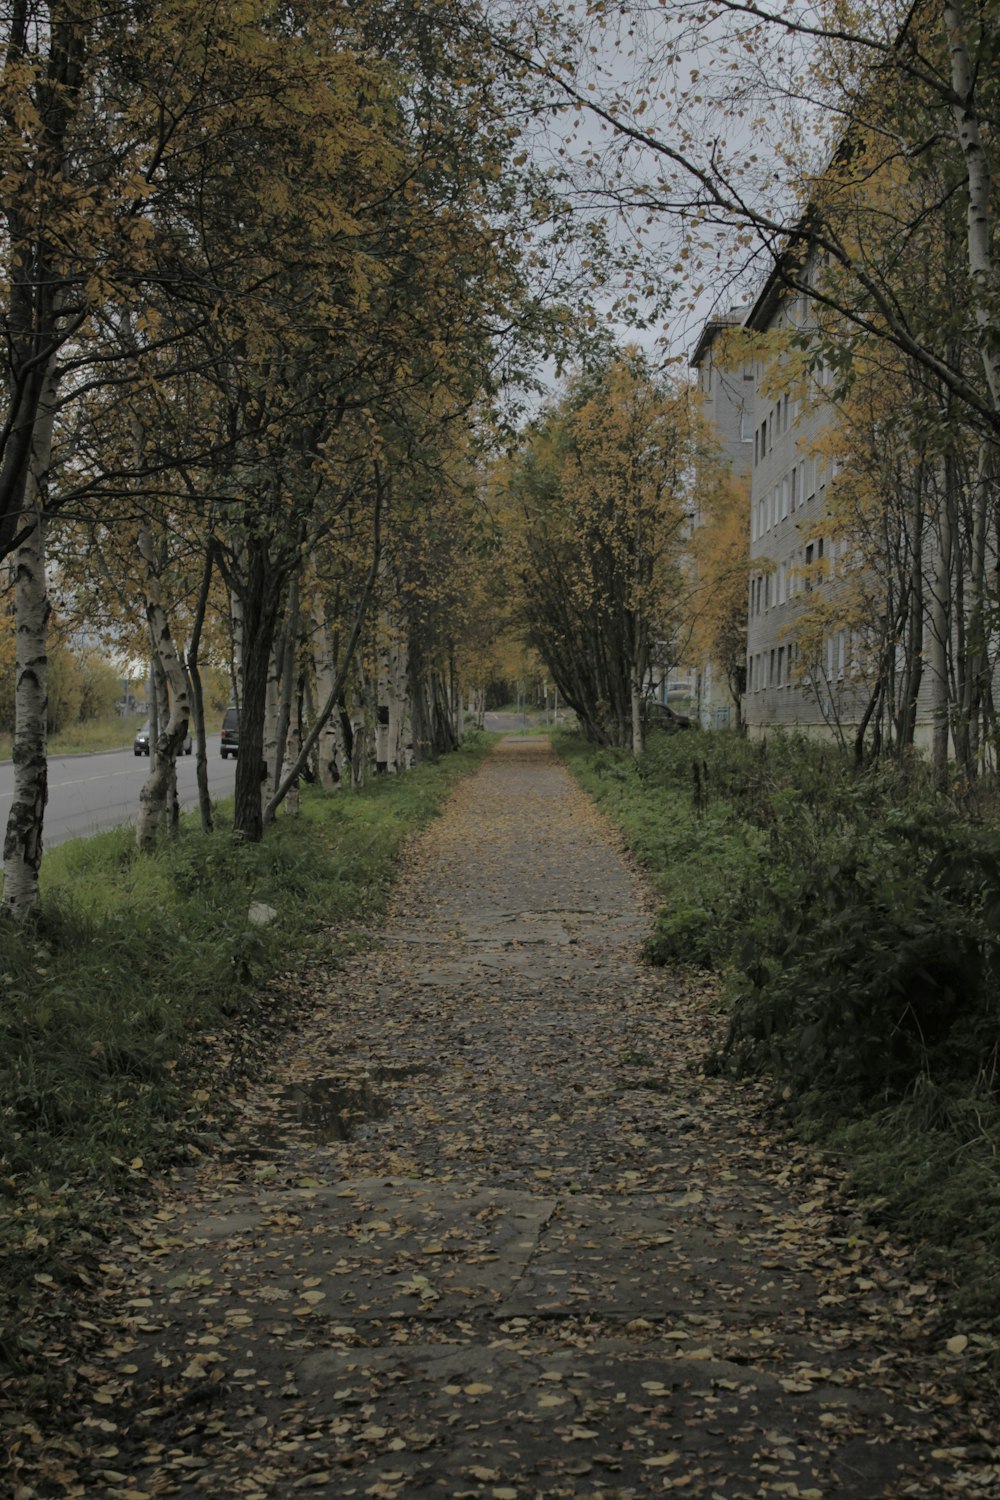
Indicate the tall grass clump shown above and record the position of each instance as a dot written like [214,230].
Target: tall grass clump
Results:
[702,858]
[136,1003]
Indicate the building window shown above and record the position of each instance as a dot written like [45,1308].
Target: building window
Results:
[781,666]
[746,426]
[785,487]
[795,486]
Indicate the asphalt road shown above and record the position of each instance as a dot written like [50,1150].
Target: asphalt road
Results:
[88,793]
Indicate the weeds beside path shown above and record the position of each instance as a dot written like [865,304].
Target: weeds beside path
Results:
[144,997]
[488,1230]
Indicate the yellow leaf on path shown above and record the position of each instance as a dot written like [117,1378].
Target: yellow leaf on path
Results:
[957,1344]
[661,1460]
[478,1389]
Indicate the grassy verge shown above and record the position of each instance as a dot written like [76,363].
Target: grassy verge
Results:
[140,1000]
[115,733]
[855,921]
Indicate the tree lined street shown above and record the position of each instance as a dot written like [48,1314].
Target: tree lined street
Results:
[89,793]
[330,389]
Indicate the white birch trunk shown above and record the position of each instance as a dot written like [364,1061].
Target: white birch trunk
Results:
[236,626]
[23,842]
[292,747]
[938,640]
[330,744]
[982,267]
[163,763]
[400,714]
[359,748]
[636,696]
[359,732]
[383,698]
[271,711]
[159,717]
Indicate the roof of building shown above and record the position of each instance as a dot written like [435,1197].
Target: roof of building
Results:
[734,318]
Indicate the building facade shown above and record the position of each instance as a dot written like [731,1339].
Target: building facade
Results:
[728,401]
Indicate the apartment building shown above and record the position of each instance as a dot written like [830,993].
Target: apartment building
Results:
[728,398]
[791,549]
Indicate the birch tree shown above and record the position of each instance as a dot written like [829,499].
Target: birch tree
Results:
[23,841]
[741,136]
[599,497]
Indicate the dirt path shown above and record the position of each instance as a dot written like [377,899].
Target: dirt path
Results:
[551,1259]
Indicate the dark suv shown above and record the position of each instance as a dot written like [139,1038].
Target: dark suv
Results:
[230,733]
[659,716]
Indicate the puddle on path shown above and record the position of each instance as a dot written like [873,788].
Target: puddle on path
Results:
[332,1108]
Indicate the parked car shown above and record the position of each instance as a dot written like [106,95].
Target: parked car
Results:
[141,743]
[230,733]
[662,716]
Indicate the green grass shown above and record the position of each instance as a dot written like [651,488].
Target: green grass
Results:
[139,1000]
[701,859]
[854,920]
[115,733]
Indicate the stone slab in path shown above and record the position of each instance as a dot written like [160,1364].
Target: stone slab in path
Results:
[489,1230]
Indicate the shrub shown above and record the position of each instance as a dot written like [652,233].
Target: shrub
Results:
[855,918]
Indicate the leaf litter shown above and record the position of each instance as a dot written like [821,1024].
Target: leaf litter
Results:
[487,1229]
